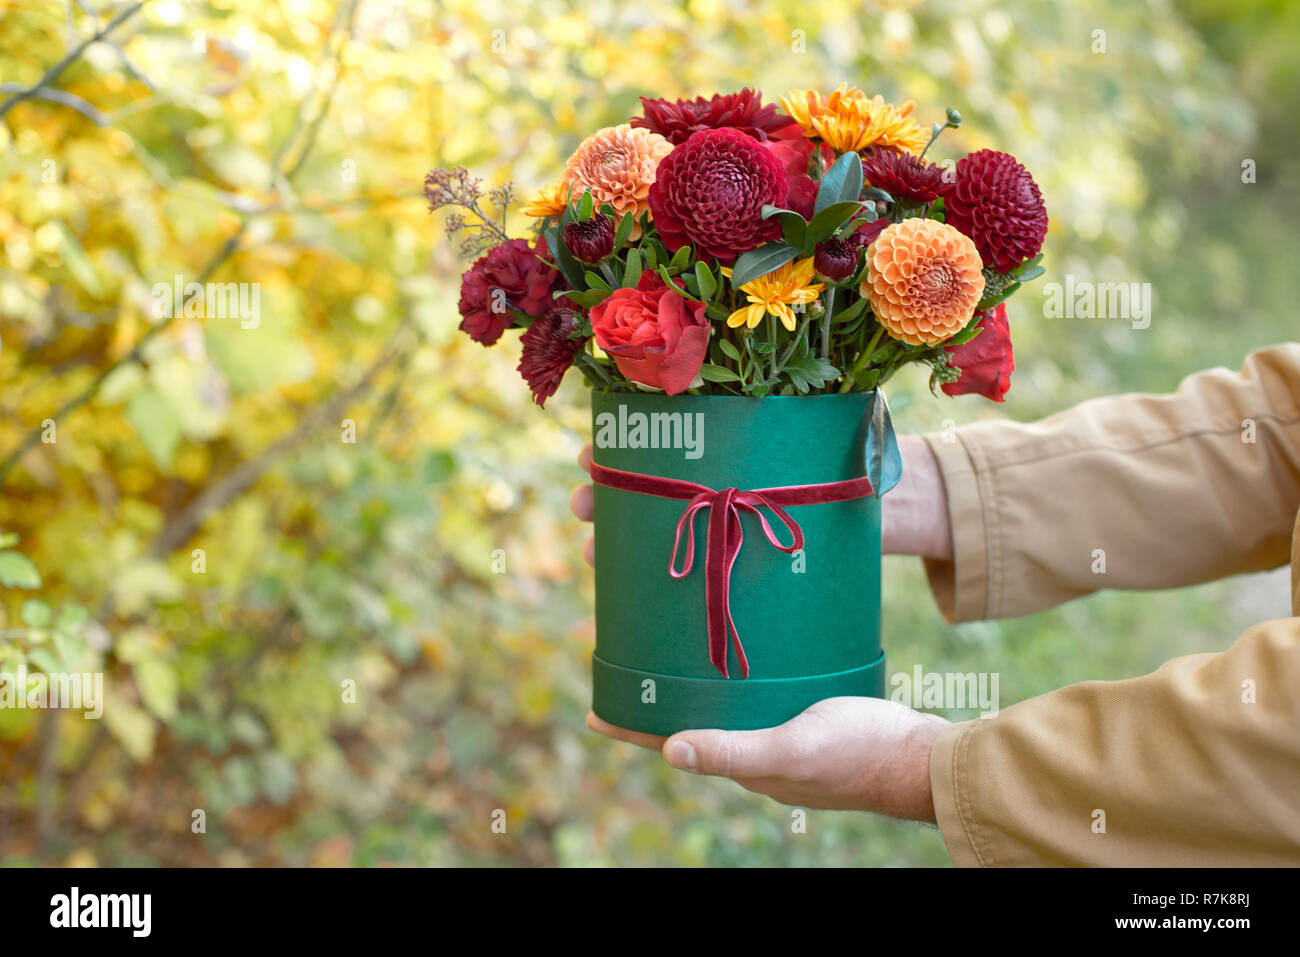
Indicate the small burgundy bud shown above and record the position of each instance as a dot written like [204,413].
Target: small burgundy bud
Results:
[591,241]
[836,259]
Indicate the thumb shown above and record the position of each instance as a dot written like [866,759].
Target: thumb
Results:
[732,754]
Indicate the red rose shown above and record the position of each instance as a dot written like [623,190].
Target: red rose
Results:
[508,276]
[656,337]
[986,362]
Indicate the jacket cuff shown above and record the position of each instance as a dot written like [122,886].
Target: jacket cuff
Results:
[960,587]
[947,787]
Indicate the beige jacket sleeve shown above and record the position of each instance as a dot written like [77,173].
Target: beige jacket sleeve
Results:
[1199,762]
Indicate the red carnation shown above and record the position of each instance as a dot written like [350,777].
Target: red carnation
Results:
[549,350]
[986,362]
[508,276]
[676,120]
[910,180]
[997,204]
[711,191]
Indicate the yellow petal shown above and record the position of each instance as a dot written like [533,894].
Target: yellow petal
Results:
[785,315]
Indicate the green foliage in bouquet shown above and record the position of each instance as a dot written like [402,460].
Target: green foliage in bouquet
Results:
[721,247]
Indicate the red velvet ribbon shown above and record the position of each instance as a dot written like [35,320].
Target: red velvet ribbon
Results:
[725,535]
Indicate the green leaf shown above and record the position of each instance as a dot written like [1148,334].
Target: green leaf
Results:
[651,253]
[596,281]
[587,298]
[71,619]
[586,207]
[876,195]
[842,182]
[793,226]
[632,273]
[761,261]
[810,372]
[624,230]
[707,284]
[714,373]
[569,268]
[663,274]
[825,223]
[850,313]
[1027,273]
[159,687]
[17,571]
[156,422]
[729,348]
[680,259]
[35,613]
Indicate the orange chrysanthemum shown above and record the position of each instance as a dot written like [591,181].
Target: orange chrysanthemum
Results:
[849,120]
[618,165]
[549,201]
[924,280]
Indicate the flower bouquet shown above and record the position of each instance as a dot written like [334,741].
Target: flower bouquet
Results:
[737,283]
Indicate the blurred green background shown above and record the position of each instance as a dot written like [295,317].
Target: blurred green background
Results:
[206,534]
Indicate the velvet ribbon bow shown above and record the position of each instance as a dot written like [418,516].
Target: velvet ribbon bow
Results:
[725,535]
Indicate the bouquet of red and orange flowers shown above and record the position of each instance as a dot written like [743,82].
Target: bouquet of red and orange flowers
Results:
[722,263]
[726,246]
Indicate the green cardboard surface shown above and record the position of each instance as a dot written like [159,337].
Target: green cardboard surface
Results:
[810,623]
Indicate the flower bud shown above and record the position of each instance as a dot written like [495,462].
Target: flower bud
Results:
[590,241]
[836,260]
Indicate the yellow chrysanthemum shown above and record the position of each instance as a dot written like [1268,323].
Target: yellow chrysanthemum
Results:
[549,201]
[849,120]
[775,293]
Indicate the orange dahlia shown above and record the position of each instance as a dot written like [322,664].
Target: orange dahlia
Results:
[849,120]
[618,165]
[924,281]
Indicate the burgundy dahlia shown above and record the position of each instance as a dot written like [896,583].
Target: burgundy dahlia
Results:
[711,191]
[508,276]
[996,203]
[836,259]
[910,180]
[591,241]
[549,350]
[676,120]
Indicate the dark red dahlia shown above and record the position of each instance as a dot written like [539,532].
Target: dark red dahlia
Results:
[549,350]
[910,180]
[996,203]
[676,120]
[591,240]
[508,276]
[986,362]
[711,191]
[836,259]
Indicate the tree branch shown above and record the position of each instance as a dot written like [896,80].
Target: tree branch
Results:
[221,493]
[54,72]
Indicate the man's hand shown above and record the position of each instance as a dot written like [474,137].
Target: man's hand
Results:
[848,754]
[842,753]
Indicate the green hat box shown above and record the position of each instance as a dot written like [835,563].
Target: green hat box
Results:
[809,622]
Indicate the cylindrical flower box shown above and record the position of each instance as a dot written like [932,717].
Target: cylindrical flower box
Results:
[809,621]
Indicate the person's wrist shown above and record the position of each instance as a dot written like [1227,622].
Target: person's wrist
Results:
[920,742]
[915,519]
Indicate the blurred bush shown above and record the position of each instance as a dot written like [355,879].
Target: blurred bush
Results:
[325,559]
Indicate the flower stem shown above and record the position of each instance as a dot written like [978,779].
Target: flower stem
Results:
[826,322]
[863,359]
